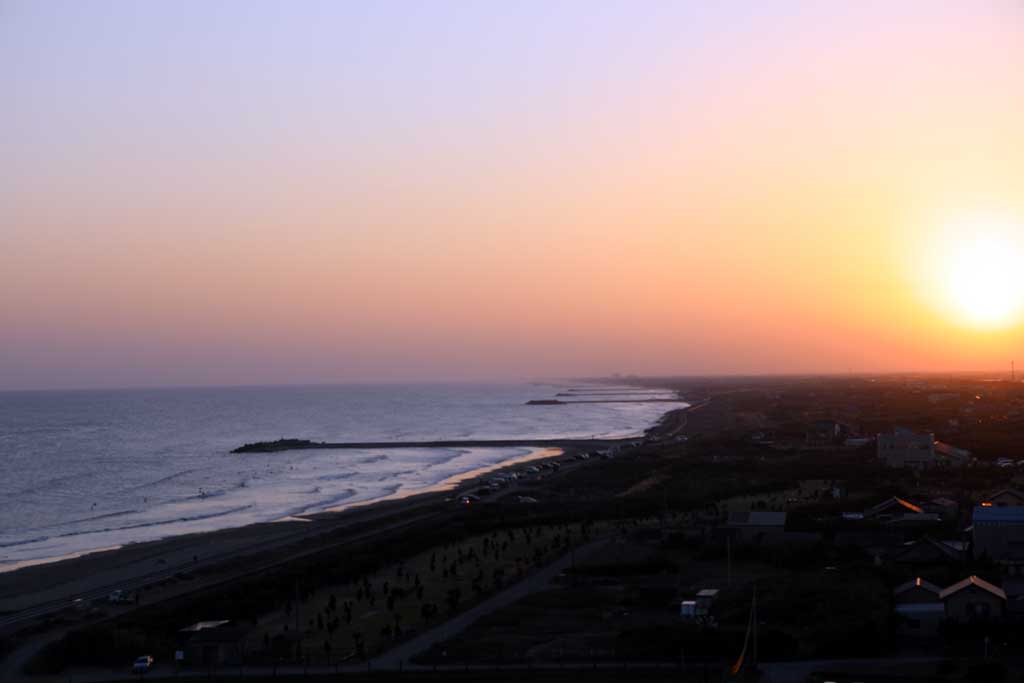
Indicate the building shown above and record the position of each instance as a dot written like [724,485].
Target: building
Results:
[1014,589]
[893,508]
[1003,498]
[757,527]
[705,599]
[918,604]
[947,508]
[927,553]
[699,608]
[998,533]
[905,448]
[951,456]
[973,599]
[916,591]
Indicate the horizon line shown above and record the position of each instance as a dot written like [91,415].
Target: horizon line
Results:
[623,378]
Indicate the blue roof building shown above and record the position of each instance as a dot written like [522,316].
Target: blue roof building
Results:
[998,532]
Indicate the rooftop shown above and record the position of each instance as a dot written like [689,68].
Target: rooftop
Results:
[972,581]
[1013,493]
[894,502]
[917,583]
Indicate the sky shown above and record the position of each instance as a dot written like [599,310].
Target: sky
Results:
[247,192]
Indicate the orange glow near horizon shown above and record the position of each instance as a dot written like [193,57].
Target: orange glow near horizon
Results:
[536,190]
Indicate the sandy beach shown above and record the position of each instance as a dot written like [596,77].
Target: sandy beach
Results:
[47,588]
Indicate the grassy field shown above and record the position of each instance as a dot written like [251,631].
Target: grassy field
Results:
[364,617]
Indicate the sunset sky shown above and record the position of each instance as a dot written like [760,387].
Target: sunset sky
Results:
[290,192]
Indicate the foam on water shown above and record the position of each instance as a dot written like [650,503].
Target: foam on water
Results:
[95,469]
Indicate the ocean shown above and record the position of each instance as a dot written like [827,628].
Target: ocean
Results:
[86,470]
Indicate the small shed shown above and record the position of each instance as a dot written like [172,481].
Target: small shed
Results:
[700,606]
[705,599]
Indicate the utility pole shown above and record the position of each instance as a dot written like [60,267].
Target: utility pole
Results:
[754,607]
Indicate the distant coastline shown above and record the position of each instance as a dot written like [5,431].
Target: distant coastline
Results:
[181,483]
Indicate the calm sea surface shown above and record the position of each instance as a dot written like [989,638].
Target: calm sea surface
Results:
[93,469]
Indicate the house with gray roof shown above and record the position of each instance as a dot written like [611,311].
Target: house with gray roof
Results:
[973,599]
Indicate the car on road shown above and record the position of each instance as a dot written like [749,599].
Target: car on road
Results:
[142,664]
[119,597]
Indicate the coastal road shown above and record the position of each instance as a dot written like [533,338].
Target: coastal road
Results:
[301,533]
[19,608]
[397,658]
[311,537]
[12,665]
[431,514]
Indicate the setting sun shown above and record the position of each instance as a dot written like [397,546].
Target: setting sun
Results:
[984,280]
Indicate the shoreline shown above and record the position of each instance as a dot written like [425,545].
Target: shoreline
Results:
[535,449]
[89,541]
[51,585]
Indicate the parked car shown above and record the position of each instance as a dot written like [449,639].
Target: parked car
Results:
[119,597]
[142,664]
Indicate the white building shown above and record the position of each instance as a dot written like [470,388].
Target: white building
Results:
[951,455]
[905,448]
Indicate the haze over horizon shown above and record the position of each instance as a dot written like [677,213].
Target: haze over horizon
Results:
[265,192]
